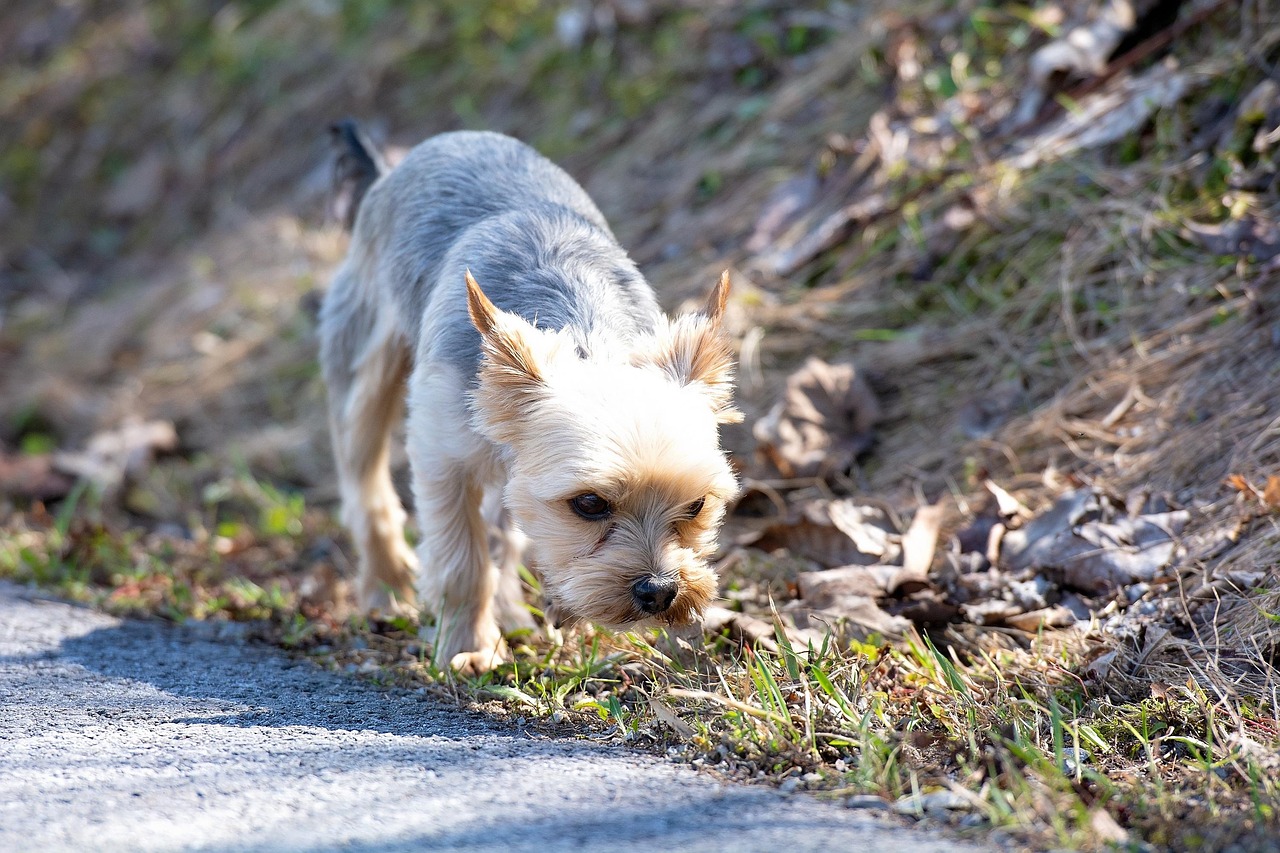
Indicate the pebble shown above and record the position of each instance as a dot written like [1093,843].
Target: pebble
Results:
[1073,758]
[934,803]
[867,801]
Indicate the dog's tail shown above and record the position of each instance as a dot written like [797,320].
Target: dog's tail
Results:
[358,165]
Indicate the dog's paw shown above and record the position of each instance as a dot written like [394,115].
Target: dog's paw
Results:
[478,663]
[469,644]
[382,601]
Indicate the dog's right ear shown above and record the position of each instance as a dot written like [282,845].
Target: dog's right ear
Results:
[505,338]
[510,371]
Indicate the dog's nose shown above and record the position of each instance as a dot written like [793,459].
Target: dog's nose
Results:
[654,594]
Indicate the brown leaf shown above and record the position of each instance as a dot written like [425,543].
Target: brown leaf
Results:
[1007,504]
[1240,484]
[1050,617]
[923,607]
[833,533]
[747,630]
[920,541]
[822,589]
[1082,543]
[991,611]
[1249,236]
[667,715]
[32,477]
[824,421]
[1106,828]
[864,613]
[126,451]
[1271,492]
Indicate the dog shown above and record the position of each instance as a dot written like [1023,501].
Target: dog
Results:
[548,397]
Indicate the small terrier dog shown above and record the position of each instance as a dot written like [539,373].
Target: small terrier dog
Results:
[557,404]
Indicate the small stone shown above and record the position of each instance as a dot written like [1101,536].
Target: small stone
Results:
[934,803]
[1073,758]
[790,786]
[867,801]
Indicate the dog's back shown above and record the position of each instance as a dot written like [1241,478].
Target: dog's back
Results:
[486,202]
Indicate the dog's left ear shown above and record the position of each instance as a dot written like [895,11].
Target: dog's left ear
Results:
[693,349]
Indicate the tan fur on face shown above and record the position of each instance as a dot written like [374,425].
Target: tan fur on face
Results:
[638,428]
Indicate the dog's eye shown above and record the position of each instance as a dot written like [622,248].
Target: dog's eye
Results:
[591,507]
[692,510]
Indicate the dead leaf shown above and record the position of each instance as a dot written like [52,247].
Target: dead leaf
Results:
[862,612]
[1108,556]
[993,611]
[1099,669]
[1242,485]
[32,477]
[112,455]
[787,201]
[1106,116]
[1007,504]
[920,541]
[1271,493]
[747,630]
[1084,51]
[1247,237]
[1032,621]
[1083,541]
[923,607]
[1106,828]
[822,589]
[1022,548]
[668,716]
[833,533]
[823,423]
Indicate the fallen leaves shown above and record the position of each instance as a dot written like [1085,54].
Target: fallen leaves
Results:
[113,455]
[1253,237]
[823,423]
[833,533]
[1268,496]
[1086,543]
[32,477]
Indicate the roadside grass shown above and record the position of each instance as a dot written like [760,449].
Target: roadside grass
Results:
[984,732]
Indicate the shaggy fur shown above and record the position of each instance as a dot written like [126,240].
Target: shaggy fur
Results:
[559,379]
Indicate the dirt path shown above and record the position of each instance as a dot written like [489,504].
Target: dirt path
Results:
[145,736]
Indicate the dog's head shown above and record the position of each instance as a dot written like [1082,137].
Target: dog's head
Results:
[615,471]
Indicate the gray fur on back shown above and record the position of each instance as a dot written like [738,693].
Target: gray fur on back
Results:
[531,236]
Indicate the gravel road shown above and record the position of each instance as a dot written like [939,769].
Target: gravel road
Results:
[122,735]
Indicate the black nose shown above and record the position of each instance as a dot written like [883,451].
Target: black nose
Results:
[654,595]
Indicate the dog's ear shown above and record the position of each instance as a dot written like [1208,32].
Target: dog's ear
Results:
[694,349]
[510,372]
[505,339]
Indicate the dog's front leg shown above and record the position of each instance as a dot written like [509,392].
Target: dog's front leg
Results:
[457,576]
